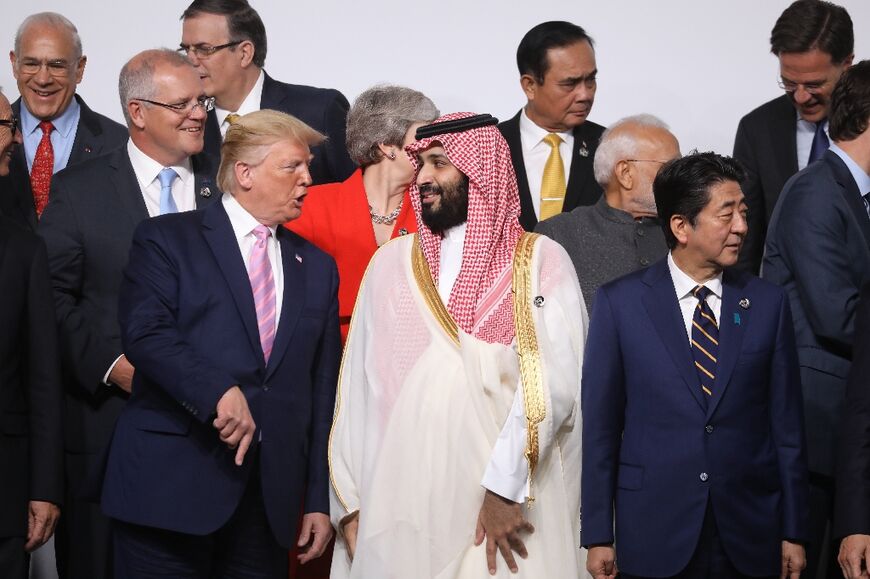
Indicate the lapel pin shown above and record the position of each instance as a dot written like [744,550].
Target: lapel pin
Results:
[539,301]
[87,149]
[583,151]
[744,303]
[298,258]
[205,192]
[403,231]
[736,319]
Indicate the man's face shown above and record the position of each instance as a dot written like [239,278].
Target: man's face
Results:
[564,99]
[8,139]
[47,70]
[443,190]
[217,70]
[809,79]
[715,239]
[278,184]
[655,147]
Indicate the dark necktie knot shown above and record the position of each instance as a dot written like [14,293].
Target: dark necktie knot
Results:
[701,292]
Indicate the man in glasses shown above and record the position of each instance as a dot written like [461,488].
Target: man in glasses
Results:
[226,41]
[814,43]
[57,126]
[88,228]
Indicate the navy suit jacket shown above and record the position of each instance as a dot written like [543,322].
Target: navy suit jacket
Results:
[95,136]
[818,249]
[654,450]
[190,329]
[323,109]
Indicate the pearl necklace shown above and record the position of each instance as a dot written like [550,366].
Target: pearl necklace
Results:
[386,219]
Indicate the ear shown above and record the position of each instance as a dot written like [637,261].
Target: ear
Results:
[848,62]
[246,50]
[388,151]
[680,228]
[12,60]
[243,174]
[529,86]
[135,110]
[80,68]
[622,172]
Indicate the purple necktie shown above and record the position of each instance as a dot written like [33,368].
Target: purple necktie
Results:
[263,286]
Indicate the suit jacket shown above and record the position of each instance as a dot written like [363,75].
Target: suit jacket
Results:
[95,135]
[190,329]
[852,510]
[766,145]
[30,392]
[818,249]
[654,449]
[88,228]
[324,109]
[581,189]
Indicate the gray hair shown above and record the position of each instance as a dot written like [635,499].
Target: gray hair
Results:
[49,19]
[614,148]
[382,115]
[137,76]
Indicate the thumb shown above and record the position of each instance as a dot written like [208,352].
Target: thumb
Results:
[304,534]
[479,533]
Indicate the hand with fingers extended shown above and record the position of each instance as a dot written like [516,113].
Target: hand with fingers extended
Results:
[235,423]
[501,523]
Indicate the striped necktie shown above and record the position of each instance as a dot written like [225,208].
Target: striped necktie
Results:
[705,341]
[263,286]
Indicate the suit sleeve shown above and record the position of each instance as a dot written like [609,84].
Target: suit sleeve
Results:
[325,379]
[603,410]
[339,165]
[84,349]
[147,309]
[753,244]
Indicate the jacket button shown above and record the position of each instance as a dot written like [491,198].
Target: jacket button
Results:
[265,387]
[704,476]
[640,232]
[709,429]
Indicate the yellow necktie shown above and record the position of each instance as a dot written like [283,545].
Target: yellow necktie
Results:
[232,118]
[553,182]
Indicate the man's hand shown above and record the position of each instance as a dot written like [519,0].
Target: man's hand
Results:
[500,521]
[314,535]
[122,374]
[234,422]
[794,559]
[855,556]
[350,530]
[41,519]
[601,562]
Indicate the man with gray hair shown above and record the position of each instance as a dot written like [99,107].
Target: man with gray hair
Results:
[88,228]
[621,232]
[57,126]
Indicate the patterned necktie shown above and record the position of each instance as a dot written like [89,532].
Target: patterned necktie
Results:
[42,169]
[553,182]
[820,143]
[263,286]
[705,340]
[167,203]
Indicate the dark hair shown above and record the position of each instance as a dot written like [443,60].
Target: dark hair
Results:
[243,22]
[532,52]
[682,186]
[850,103]
[809,24]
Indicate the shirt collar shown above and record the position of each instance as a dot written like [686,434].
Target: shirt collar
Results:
[534,134]
[684,284]
[243,223]
[455,235]
[147,169]
[63,124]
[249,105]
[861,178]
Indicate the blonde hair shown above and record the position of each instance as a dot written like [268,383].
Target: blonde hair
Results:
[250,136]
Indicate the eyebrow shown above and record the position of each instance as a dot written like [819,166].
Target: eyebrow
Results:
[576,79]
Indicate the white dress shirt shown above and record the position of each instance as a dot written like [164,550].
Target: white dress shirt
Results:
[249,105]
[507,473]
[147,171]
[536,152]
[683,285]
[806,132]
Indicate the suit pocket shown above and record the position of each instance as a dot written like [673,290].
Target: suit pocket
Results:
[630,477]
[162,422]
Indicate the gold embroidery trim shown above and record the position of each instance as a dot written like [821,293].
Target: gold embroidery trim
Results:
[430,293]
[527,349]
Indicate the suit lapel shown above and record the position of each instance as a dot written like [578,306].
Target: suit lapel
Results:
[510,130]
[581,165]
[125,183]
[663,309]
[784,125]
[88,141]
[851,194]
[292,302]
[212,145]
[733,320]
[204,189]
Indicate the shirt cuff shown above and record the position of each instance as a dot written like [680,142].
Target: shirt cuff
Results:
[109,371]
[507,473]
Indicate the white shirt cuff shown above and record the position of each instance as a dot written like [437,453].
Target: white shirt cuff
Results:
[109,371]
[507,473]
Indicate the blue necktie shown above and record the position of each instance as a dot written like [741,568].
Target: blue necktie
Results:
[705,341]
[167,203]
[820,143]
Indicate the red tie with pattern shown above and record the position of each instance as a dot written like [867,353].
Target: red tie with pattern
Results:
[43,167]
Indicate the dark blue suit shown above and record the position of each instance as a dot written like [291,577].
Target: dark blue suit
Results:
[189,327]
[654,449]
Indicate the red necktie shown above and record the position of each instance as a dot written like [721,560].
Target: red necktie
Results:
[43,167]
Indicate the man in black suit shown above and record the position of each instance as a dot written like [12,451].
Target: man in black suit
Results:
[550,137]
[818,249]
[31,483]
[48,64]
[226,40]
[814,44]
[88,228]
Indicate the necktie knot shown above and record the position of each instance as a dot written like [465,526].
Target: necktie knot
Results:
[820,142]
[167,176]
[232,118]
[701,292]
[553,140]
[262,233]
[46,127]
[167,204]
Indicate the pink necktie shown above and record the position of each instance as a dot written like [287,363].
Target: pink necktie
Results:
[263,286]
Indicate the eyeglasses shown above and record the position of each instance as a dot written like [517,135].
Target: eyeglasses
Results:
[207,104]
[812,88]
[645,161]
[11,122]
[56,68]
[205,50]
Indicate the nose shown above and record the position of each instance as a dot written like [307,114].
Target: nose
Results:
[42,76]
[305,177]
[198,113]
[801,95]
[424,176]
[739,225]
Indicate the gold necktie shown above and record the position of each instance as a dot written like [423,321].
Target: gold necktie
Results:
[553,182]
[232,118]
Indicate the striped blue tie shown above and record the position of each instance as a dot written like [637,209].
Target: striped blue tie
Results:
[705,341]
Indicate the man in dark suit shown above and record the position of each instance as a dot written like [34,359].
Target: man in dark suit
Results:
[31,486]
[814,44]
[232,323]
[226,40]
[88,227]
[818,249]
[692,415]
[551,136]
[48,64]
